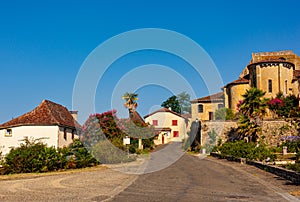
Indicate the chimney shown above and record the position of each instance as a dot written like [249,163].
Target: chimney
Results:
[74,114]
[170,108]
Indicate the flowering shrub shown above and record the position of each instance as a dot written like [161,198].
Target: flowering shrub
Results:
[275,105]
[275,102]
[238,105]
[103,135]
[284,106]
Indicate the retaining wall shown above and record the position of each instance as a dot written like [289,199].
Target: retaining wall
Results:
[281,172]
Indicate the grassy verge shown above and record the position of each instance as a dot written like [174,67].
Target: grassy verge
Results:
[60,172]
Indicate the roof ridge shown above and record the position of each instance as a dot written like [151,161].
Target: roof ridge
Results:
[163,109]
[50,111]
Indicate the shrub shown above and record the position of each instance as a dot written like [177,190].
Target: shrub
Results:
[241,149]
[224,114]
[80,156]
[105,152]
[33,156]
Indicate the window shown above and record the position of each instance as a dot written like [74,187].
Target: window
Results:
[200,108]
[65,134]
[220,106]
[174,123]
[175,134]
[73,134]
[8,132]
[154,122]
[270,86]
[211,115]
[285,87]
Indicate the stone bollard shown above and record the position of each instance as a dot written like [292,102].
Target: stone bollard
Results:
[284,150]
[203,151]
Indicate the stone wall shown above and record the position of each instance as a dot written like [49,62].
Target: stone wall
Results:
[272,130]
[281,172]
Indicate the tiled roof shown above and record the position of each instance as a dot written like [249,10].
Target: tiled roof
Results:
[296,74]
[136,118]
[47,113]
[238,81]
[215,97]
[186,116]
[164,110]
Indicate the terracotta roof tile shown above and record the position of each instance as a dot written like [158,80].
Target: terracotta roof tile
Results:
[238,81]
[164,110]
[47,113]
[215,97]
[296,74]
[136,118]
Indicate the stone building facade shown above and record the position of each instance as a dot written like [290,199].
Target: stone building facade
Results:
[271,72]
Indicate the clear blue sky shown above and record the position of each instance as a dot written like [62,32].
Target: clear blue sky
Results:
[44,43]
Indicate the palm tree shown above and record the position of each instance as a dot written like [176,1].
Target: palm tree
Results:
[252,110]
[253,104]
[130,100]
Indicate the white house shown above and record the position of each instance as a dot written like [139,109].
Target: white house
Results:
[50,122]
[169,126]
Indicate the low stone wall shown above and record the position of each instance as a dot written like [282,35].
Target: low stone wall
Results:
[272,130]
[224,129]
[281,172]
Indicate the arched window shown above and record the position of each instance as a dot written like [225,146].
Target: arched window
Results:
[285,87]
[270,85]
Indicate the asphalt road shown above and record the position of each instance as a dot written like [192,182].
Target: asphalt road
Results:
[188,179]
[209,179]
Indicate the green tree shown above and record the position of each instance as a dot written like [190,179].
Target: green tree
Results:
[173,103]
[184,102]
[224,114]
[252,109]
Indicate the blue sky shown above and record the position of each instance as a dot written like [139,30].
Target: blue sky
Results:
[44,43]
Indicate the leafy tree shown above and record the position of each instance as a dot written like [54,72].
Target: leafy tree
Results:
[224,114]
[130,100]
[251,109]
[173,103]
[184,102]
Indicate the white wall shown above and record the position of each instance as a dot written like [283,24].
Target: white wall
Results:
[165,120]
[62,142]
[50,133]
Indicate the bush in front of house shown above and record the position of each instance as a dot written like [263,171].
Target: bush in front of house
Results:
[249,150]
[33,156]
[78,156]
[106,152]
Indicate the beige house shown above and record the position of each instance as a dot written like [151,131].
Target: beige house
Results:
[271,72]
[169,126]
[204,108]
[50,122]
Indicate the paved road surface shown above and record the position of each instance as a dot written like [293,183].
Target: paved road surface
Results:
[189,179]
[192,179]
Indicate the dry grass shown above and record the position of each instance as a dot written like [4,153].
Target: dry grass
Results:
[60,172]
[295,193]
